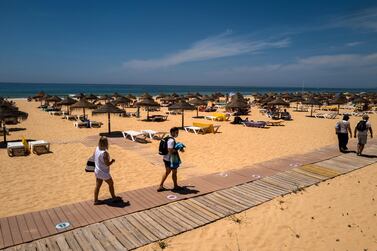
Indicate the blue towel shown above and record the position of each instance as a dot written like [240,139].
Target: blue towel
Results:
[179,146]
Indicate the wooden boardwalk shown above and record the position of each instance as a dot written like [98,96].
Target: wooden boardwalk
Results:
[153,216]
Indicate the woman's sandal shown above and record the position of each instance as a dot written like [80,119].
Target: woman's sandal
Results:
[161,189]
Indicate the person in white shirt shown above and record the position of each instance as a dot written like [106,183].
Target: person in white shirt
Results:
[167,158]
[361,130]
[102,170]
[342,128]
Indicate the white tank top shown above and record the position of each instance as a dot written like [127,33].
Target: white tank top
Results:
[100,167]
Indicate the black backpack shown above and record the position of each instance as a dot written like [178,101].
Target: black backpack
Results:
[163,147]
[361,126]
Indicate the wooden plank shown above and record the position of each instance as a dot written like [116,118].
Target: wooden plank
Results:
[186,215]
[41,224]
[320,171]
[100,237]
[143,229]
[160,228]
[203,212]
[62,243]
[235,197]
[291,180]
[72,242]
[53,217]
[1,238]
[231,201]
[286,181]
[74,216]
[6,232]
[95,209]
[15,231]
[235,191]
[231,193]
[135,204]
[173,219]
[126,233]
[63,218]
[33,229]
[164,222]
[84,243]
[259,194]
[266,190]
[118,234]
[41,245]
[91,239]
[311,174]
[279,183]
[90,215]
[271,188]
[145,200]
[151,225]
[224,203]
[299,178]
[51,244]
[214,206]
[24,230]
[130,228]
[112,239]
[308,178]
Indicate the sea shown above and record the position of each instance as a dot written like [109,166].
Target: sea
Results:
[24,90]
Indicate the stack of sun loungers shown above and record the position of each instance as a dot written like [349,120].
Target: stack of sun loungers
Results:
[331,115]
[143,135]
[21,149]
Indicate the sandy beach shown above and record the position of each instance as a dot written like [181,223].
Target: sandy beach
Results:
[34,182]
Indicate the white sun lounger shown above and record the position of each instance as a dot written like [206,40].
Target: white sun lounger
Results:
[133,134]
[195,129]
[153,134]
[39,146]
[16,149]
[209,117]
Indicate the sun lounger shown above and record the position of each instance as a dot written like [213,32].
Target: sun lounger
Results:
[2,131]
[194,129]
[55,113]
[158,118]
[320,115]
[16,149]
[39,147]
[154,134]
[209,117]
[80,124]
[258,124]
[134,135]
[331,115]
[206,128]
[70,117]
[274,123]
[173,112]
[95,124]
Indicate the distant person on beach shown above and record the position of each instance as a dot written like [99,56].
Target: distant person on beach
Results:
[361,130]
[169,148]
[342,128]
[102,170]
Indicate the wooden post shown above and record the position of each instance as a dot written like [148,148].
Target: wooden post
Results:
[108,121]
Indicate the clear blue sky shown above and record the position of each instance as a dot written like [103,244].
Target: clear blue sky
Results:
[261,43]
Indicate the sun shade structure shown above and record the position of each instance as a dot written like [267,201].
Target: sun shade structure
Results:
[91,97]
[340,99]
[84,104]
[182,105]
[10,112]
[237,102]
[197,102]
[147,102]
[122,101]
[54,99]
[39,95]
[108,108]
[312,102]
[278,101]
[67,101]
[146,95]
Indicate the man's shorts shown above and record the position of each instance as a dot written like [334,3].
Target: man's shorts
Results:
[362,139]
[168,165]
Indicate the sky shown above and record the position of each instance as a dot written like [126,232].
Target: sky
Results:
[244,43]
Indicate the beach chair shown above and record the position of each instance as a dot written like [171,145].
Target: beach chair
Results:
[258,124]
[274,123]
[134,135]
[207,128]
[39,147]
[320,115]
[81,124]
[2,131]
[194,129]
[158,118]
[95,124]
[154,134]
[16,149]
[331,115]
[210,117]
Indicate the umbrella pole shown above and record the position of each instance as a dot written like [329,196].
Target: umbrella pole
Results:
[83,109]
[147,113]
[311,112]
[5,133]
[197,111]
[108,121]
[183,119]
[338,109]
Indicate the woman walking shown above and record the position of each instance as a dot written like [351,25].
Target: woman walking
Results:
[102,170]
[342,128]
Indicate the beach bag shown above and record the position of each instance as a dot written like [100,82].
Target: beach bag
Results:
[90,165]
[361,126]
[163,147]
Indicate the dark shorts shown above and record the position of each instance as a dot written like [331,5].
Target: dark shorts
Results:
[167,165]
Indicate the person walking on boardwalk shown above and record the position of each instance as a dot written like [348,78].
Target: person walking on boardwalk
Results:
[102,170]
[169,148]
[342,128]
[361,130]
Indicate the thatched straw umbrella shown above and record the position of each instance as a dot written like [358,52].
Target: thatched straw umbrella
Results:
[67,101]
[146,102]
[197,102]
[182,105]
[130,96]
[312,102]
[39,95]
[339,100]
[123,101]
[79,95]
[54,99]
[91,97]
[237,102]
[84,104]
[278,102]
[108,108]
[146,95]
[10,112]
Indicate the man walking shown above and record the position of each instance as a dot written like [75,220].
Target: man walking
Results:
[169,149]
[362,133]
